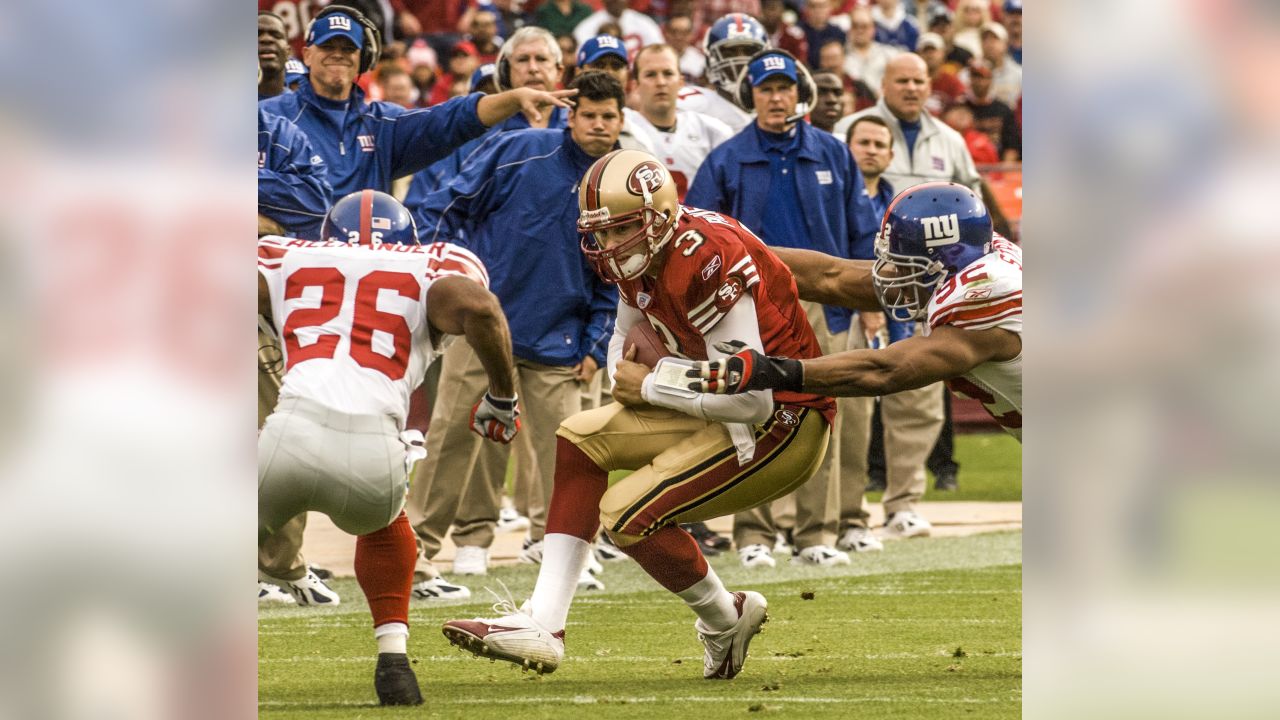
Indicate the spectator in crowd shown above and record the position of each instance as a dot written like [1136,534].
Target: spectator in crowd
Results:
[782,34]
[637,28]
[866,56]
[828,107]
[958,57]
[706,12]
[484,36]
[377,142]
[971,16]
[948,88]
[1013,24]
[679,34]
[1006,75]
[894,26]
[463,60]
[426,17]
[960,117]
[423,66]
[990,115]
[569,51]
[818,28]
[795,186]
[831,57]
[925,150]
[397,87]
[273,54]
[681,139]
[515,198]
[923,11]
[729,43]
[560,17]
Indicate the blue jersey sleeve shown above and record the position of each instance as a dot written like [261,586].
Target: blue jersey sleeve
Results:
[293,188]
[422,137]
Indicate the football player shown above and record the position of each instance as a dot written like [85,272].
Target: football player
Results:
[360,314]
[729,43]
[936,260]
[699,279]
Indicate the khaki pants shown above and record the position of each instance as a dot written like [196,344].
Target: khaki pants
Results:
[686,469]
[280,555]
[460,483]
[811,503]
[912,420]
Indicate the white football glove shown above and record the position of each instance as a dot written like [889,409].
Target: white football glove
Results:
[415,448]
[497,419]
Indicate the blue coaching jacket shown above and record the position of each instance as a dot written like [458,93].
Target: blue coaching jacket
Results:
[517,198]
[293,188]
[367,145]
[735,179]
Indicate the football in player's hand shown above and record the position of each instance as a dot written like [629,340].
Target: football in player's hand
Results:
[649,347]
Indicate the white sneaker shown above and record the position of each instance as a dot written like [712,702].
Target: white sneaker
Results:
[308,590]
[593,565]
[907,524]
[727,650]
[514,637]
[781,546]
[438,591]
[859,539]
[531,552]
[822,555]
[471,560]
[587,581]
[509,520]
[268,594]
[756,556]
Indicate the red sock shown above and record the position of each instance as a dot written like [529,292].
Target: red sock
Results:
[575,499]
[671,556]
[384,569]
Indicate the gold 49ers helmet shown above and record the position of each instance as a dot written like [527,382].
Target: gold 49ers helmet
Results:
[624,187]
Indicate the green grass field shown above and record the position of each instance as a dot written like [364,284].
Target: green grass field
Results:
[930,628]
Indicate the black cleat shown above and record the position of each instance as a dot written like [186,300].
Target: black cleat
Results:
[395,682]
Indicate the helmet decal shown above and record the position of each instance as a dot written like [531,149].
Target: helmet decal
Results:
[646,178]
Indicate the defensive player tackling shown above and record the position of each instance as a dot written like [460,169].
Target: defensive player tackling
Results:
[936,259]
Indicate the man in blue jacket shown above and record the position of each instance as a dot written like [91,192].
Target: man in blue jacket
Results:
[367,145]
[293,191]
[795,186]
[517,199]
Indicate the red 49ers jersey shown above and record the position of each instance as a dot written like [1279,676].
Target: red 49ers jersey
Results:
[987,293]
[711,261]
[352,320]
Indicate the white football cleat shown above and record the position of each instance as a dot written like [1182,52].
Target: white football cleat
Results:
[531,552]
[587,581]
[726,650]
[308,590]
[269,594]
[471,560]
[438,590]
[754,556]
[513,636]
[859,539]
[821,555]
[510,520]
[907,524]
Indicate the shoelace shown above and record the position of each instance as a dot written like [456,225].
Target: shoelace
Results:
[504,605]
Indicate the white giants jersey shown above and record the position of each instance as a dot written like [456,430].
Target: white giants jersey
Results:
[352,320]
[709,102]
[684,148]
[987,294]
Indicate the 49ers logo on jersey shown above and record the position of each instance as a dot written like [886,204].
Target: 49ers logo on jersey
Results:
[729,291]
[646,178]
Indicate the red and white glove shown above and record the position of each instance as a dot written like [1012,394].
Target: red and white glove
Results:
[497,419]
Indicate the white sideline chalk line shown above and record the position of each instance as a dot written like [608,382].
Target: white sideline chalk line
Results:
[643,658]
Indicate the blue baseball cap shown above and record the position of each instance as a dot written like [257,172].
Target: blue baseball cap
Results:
[599,46]
[294,70]
[770,65]
[482,73]
[334,25]
[1013,7]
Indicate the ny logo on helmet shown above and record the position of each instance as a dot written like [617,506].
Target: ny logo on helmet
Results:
[339,22]
[941,230]
[646,178]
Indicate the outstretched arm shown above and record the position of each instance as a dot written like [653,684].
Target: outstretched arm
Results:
[493,109]
[831,280]
[459,306]
[912,363]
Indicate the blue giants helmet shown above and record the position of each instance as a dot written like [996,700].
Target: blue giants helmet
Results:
[929,232]
[729,43]
[369,218]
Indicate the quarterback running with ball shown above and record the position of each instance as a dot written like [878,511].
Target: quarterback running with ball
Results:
[700,279]
[937,260]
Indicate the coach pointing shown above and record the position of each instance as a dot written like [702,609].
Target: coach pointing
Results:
[366,145]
